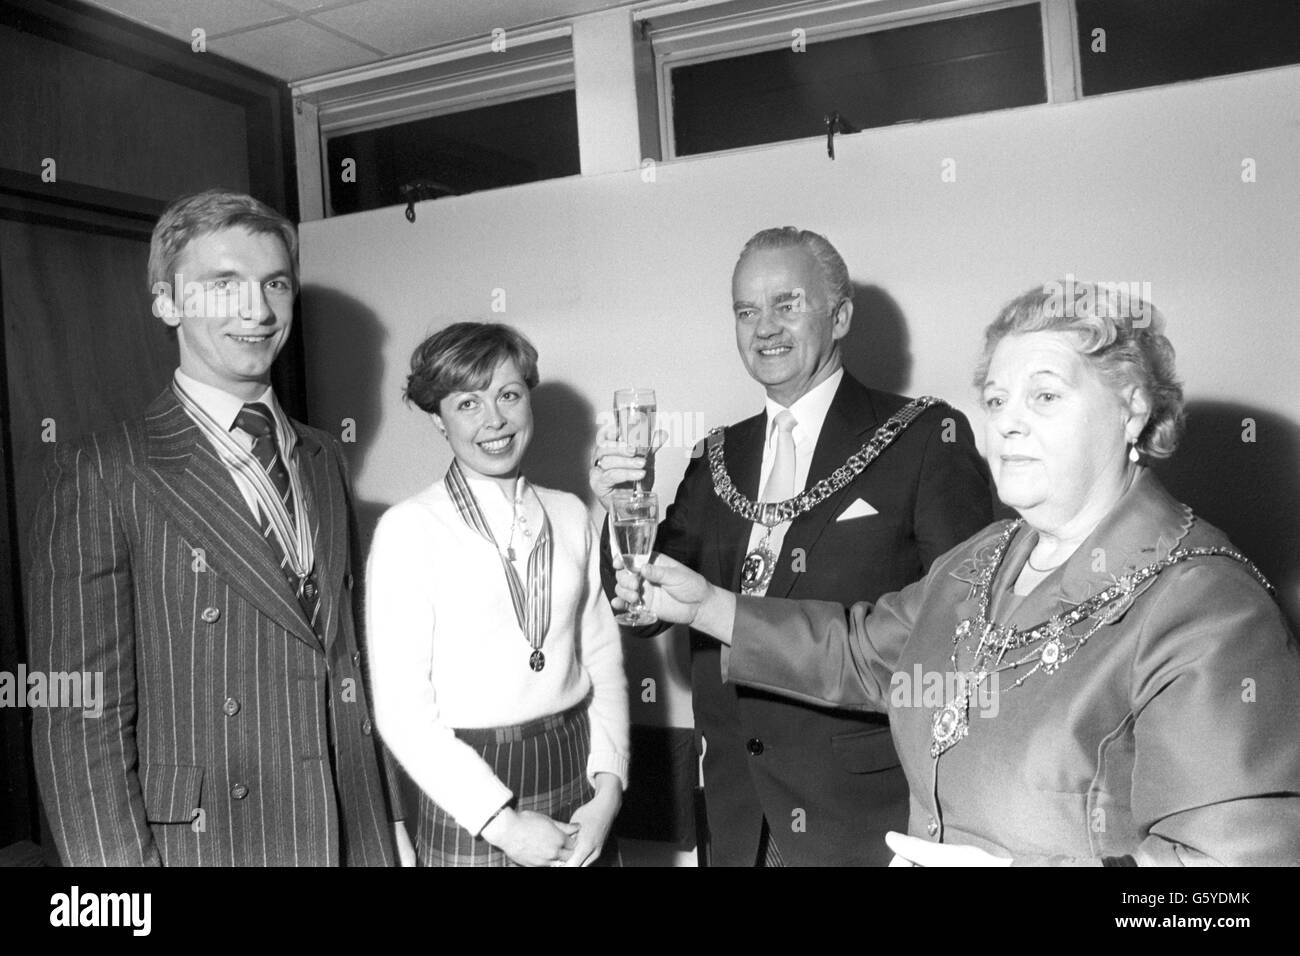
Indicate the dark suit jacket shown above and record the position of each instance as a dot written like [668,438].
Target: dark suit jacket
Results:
[828,781]
[231,733]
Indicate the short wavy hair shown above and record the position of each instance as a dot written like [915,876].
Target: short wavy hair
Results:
[462,358]
[211,211]
[1119,332]
[829,261]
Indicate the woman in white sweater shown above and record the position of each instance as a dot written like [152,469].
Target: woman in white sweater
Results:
[496,663]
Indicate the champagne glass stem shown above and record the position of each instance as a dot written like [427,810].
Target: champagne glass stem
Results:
[638,608]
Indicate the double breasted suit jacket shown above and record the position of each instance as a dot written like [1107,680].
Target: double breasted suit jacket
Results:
[828,781]
[231,733]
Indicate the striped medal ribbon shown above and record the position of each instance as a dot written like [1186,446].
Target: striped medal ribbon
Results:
[532,607]
[293,532]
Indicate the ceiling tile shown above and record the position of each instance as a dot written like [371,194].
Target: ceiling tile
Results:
[179,17]
[303,6]
[296,39]
[403,26]
[395,26]
[291,50]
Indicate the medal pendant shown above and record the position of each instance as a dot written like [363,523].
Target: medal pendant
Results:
[962,631]
[1051,655]
[948,726]
[757,570]
[536,660]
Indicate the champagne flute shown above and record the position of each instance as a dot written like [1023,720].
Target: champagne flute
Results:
[634,412]
[636,519]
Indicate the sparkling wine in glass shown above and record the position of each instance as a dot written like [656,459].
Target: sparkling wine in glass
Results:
[634,412]
[636,519]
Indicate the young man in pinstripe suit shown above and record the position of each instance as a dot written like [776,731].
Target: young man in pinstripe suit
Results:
[200,558]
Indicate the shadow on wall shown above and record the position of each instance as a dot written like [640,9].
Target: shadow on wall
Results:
[877,349]
[564,433]
[356,361]
[1249,489]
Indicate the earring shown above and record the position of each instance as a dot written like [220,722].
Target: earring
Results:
[1133,453]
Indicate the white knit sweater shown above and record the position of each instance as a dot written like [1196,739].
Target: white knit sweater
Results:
[447,651]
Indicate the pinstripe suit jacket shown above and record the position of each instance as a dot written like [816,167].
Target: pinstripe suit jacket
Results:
[231,733]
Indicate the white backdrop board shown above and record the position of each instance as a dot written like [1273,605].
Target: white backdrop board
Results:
[624,279]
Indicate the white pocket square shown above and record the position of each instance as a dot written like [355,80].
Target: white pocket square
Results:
[859,509]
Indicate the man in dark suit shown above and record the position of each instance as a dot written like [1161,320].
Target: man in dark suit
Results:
[200,558]
[785,782]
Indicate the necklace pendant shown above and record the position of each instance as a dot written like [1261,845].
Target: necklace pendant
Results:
[757,571]
[1051,656]
[510,552]
[948,726]
[536,660]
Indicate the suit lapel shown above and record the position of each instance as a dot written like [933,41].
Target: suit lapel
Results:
[327,510]
[743,454]
[849,423]
[190,483]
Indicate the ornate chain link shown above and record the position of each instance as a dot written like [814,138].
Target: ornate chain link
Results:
[951,722]
[772,513]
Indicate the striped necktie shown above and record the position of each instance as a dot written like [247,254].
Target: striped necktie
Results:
[256,420]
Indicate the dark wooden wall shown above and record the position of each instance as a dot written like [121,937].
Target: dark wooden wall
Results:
[132,119]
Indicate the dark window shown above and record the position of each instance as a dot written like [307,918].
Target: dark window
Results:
[1164,41]
[517,142]
[949,67]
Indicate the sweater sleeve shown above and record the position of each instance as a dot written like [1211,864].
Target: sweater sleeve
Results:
[600,651]
[401,623]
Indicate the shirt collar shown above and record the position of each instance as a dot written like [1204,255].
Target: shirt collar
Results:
[489,493]
[224,408]
[809,411]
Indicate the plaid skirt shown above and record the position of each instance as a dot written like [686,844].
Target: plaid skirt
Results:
[543,762]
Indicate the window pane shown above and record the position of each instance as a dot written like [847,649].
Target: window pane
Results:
[945,68]
[1164,41]
[503,145]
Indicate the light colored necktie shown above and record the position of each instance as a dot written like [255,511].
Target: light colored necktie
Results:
[780,483]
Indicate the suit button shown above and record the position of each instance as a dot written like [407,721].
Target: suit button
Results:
[230,707]
[347,581]
[932,827]
[366,727]
[755,746]
[356,659]
[239,791]
[211,615]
